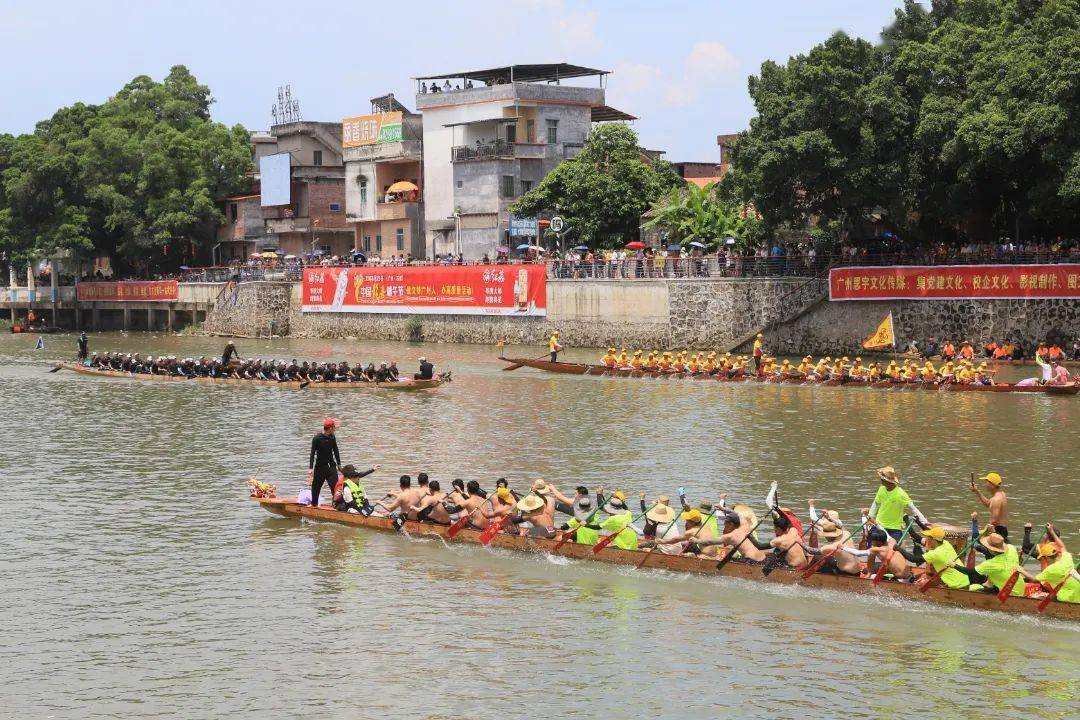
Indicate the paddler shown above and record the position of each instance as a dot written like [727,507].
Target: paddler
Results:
[996,570]
[324,460]
[584,522]
[890,504]
[554,347]
[609,358]
[636,362]
[710,363]
[623,361]
[229,353]
[619,517]
[502,505]
[758,351]
[806,366]
[538,509]
[997,502]
[881,550]
[941,554]
[738,524]
[1056,564]
[431,507]
[403,499]
[858,371]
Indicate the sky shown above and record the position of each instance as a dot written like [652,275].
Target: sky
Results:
[679,66]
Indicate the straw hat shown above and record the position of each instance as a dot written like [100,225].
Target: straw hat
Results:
[661,514]
[540,487]
[829,530]
[529,503]
[616,504]
[994,543]
[663,500]
[746,514]
[888,475]
[582,508]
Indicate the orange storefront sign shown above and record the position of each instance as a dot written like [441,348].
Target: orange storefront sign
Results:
[129,291]
[955,282]
[371,129]
[436,290]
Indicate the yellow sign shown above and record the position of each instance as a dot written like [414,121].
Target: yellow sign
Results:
[371,129]
[883,337]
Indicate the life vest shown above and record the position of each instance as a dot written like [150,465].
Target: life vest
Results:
[356,490]
[948,351]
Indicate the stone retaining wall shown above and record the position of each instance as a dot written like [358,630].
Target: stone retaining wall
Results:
[662,314]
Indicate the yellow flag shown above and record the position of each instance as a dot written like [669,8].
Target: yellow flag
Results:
[883,337]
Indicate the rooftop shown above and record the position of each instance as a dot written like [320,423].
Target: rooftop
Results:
[553,72]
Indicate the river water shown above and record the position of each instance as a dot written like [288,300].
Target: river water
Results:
[136,579]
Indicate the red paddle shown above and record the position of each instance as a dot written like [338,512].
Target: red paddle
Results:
[1057,588]
[462,521]
[1006,590]
[880,574]
[492,530]
[815,566]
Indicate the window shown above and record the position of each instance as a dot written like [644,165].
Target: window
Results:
[530,130]
[553,131]
[511,133]
[233,212]
[362,181]
[367,243]
[460,184]
[507,188]
[378,243]
[526,186]
[400,233]
[317,157]
[335,207]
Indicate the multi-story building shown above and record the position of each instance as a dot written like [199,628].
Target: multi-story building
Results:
[313,221]
[489,136]
[384,180]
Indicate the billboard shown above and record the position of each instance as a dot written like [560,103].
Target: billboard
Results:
[275,178]
[522,226]
[371,129]
[519,290]
[955,282]
[128,291]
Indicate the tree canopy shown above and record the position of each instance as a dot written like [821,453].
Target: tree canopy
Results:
[134,178]
[701,214]
[964,120]
[602,192]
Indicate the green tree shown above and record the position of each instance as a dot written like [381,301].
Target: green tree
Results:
[135,178]
[692,214]
[602,192]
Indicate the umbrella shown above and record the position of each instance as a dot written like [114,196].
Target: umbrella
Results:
[636,245]
[290,257]
[697,244]
[730,241]
[674,248]
[582,248]
[402,186]
[184,267]
[523,246]
[503,248]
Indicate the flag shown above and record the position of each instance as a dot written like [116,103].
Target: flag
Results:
[883,337]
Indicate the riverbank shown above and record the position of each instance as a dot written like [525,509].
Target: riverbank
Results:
[713,313]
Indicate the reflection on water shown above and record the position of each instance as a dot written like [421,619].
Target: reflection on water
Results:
[135,569]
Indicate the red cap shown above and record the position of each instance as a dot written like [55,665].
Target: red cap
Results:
[329,423]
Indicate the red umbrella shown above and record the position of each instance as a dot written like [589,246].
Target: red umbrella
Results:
[636,245]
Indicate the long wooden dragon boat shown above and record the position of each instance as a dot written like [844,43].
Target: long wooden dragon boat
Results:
[567,368]
[406,384]
[684,563]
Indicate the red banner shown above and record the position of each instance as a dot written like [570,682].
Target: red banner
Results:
[955,282]
[129,291]
[436,290]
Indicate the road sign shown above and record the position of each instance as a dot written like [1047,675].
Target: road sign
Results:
[522,226]
[557,223]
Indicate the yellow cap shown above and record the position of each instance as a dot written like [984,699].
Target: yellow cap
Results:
[992,477]
[611,350]
[1048,549]
[937,533]
[692,515]
[619,494]
[505,495]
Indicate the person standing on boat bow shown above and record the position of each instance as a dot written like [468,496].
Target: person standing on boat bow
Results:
[891,503]
[997,502]
[324,461]
[84,347]
[229,353]
[554,347]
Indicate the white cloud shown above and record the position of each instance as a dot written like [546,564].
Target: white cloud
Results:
[708,63]
[576,32]
[635,78]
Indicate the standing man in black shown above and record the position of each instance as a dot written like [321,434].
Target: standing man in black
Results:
[229,354]
[324,461]
[84,346]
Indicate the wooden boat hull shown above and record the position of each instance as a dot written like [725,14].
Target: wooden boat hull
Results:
[36,330]
[600,370]
[398,385]
[682,563]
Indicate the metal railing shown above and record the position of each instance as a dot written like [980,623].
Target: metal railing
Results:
[482,150]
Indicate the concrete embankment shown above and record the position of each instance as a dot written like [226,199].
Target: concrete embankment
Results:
[686,313]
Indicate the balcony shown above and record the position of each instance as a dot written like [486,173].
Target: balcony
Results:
[482,151]
[394,210]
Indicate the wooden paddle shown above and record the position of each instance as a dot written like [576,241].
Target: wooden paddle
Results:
[57,368]
[880,575]
[670,525]
[970,561]
[606,540]
[1057,588]
[731,551]
[515,366]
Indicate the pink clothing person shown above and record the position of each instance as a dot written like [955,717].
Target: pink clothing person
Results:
[1059,375]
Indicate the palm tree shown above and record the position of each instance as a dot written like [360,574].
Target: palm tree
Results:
[696,214]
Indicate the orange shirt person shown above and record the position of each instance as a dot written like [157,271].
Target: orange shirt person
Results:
[1055,353]
[948,350]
